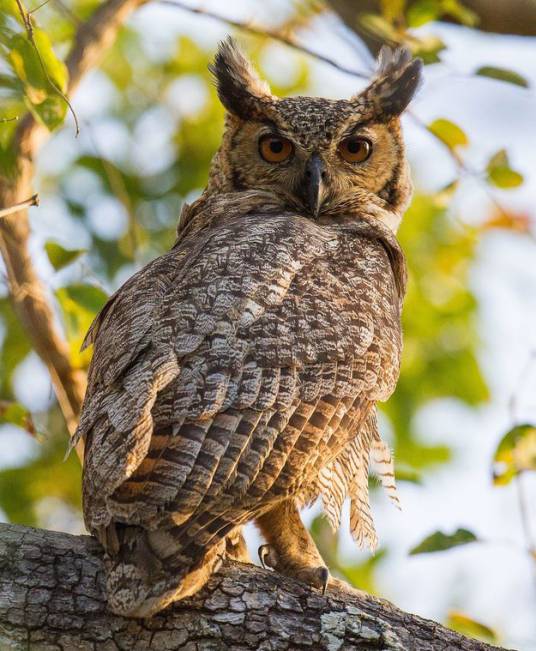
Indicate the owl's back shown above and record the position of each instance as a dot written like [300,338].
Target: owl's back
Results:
[230,371]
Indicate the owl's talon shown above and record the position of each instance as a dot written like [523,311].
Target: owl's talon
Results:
[267,557]
[324,574]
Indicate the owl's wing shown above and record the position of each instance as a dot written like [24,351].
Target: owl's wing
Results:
[206,356]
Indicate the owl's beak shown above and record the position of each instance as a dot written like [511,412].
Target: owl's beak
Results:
[315,175]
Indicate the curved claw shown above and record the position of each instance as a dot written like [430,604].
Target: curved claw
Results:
[324,574]
[267,557]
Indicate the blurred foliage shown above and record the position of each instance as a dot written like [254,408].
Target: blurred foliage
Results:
[59,256]
[502,74]
[449,133]
[439,320]
[33,76]
[358,574]
[516,453]
[14,413]
[46,475]
[144,95]
[467,626]
[500,173]
[439,541]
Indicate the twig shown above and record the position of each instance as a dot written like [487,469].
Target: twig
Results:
[258,31]
[37,316]
[13,119]
[32,201]
[514,398]
[525,521]
[530,542]
[42,4]
[461,165]
[71,16]
[524,512]
[27,20]
[286,40]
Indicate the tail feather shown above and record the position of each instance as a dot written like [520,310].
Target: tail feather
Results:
[383,467]
[347,476]
[138,581]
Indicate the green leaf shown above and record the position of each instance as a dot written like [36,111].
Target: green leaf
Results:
[427,47]
[516,452]
[378,26]
[89,297]
[505,178]
[392,10]
[363,575]
[41,74]
[500,173]
[422,12]
[448,132]
[503,74]
[466,626]
[15,414]
[47,475]
[406,473]
[459,12]
[79,305]
[9,12]
[60,257]
[440,541]
[15,346]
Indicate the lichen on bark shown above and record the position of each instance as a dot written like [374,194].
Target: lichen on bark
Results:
[52,599]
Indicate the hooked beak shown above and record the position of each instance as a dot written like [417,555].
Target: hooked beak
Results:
[315,174]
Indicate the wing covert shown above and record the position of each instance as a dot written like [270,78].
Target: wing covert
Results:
[241,318]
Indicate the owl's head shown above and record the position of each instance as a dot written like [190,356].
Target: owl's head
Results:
[324,158]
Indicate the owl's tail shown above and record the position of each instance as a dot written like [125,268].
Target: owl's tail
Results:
[139,581]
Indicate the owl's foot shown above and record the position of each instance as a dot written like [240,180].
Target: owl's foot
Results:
[315,576]
[290,549]
[236,548]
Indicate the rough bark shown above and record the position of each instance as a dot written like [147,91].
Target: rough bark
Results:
[51,598]
[516,17]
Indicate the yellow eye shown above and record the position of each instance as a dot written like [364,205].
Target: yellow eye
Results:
[275,149]
[355,150]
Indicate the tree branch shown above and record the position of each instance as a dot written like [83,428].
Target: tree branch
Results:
[32,201]
[266,32]
[26,289]
[516,17]
[51,596]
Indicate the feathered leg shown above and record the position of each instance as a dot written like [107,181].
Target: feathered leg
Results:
[290,549]
[139,582]
[236,548]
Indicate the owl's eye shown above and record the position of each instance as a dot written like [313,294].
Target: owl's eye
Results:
[275,149]
[355,150]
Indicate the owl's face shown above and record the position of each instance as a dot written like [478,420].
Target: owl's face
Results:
[324,158]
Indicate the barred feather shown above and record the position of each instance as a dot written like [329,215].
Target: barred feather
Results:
[347,476]
[383,467]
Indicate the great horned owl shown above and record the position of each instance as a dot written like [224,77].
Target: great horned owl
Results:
[235,378]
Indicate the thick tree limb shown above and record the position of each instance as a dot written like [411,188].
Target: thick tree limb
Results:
[516,17]
[51,597]
[26,289]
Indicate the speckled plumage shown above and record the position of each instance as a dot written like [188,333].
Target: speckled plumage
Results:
[239,372]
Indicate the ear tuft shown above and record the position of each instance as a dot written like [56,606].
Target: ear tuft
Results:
[240,89]
[397,79]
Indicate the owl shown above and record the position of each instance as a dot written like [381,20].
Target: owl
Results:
[235,378]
